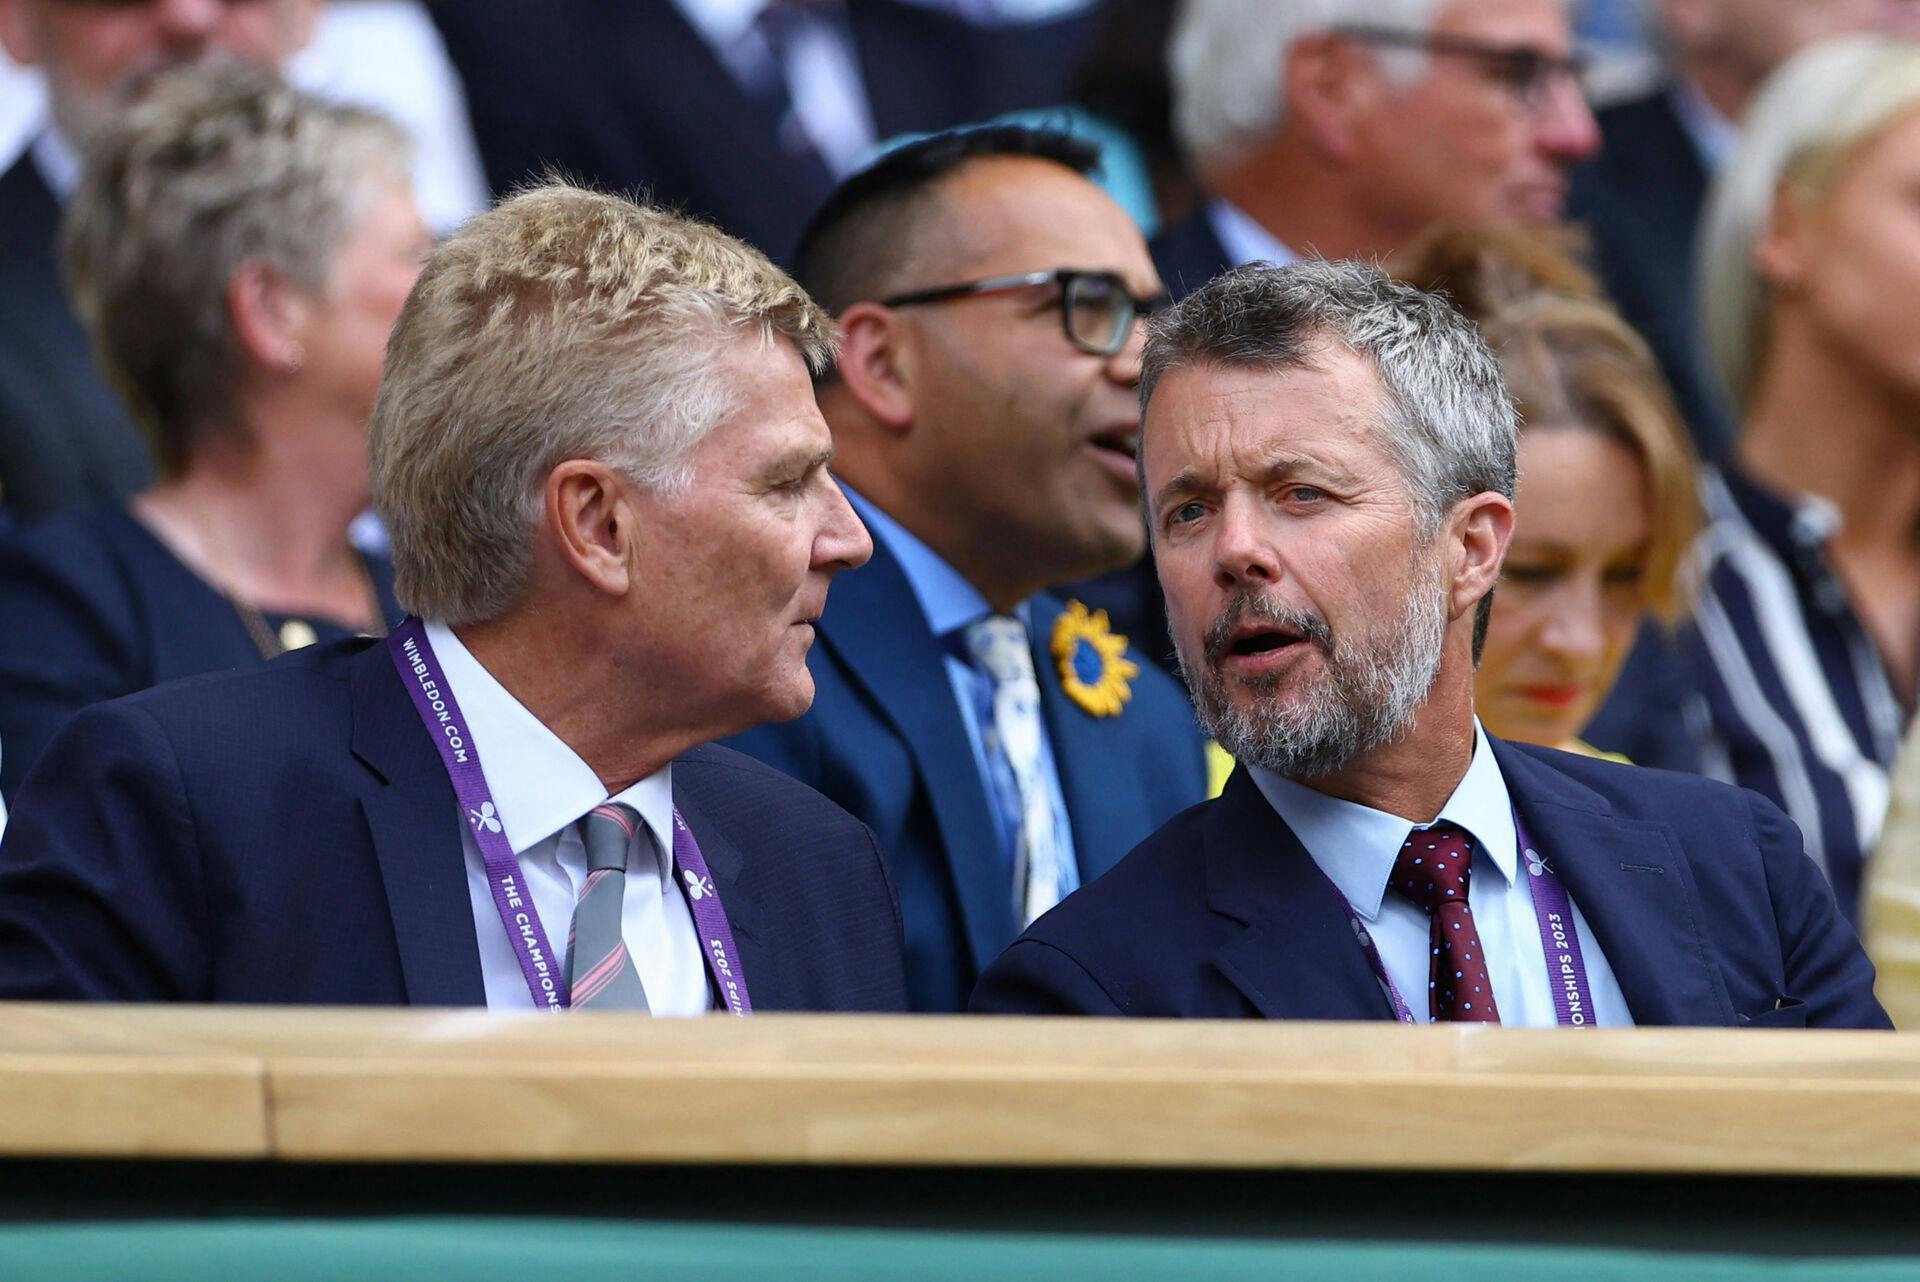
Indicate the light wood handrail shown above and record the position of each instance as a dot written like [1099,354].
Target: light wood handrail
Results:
[306,1084]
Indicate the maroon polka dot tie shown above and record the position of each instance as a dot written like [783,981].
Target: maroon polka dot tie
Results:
[1432,871]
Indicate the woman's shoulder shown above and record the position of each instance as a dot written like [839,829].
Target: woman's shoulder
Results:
[101,561]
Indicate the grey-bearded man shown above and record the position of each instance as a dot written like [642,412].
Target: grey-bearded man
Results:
[1328,464]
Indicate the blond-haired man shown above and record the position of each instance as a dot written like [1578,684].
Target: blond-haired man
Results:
[597,450]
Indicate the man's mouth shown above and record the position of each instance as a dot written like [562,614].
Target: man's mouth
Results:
[1117,448]
[1263,642]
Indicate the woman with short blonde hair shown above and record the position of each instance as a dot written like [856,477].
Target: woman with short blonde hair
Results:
[238,251]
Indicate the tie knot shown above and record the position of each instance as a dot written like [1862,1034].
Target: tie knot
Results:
[999,644]
[608,831]
[1434,866]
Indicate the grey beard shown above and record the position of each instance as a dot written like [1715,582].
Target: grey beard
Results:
[1367,698]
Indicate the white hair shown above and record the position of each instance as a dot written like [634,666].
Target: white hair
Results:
[1808,122]
[1228,62]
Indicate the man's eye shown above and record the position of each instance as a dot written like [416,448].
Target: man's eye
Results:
[1186,512]
[1305,494]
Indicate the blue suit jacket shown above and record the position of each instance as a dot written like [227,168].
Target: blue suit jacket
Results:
[885,740]
[288,834]
[628,95]
[1701,896]
[1642,198]
[65,439]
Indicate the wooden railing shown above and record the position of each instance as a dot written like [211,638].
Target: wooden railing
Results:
[399,1085]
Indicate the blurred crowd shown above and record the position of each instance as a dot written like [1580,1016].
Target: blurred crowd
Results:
[1686,228]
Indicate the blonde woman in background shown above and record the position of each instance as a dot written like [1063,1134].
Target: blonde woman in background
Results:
[1803,653]
[1605,508]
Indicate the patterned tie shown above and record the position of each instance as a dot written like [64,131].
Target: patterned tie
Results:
[1043,869]
[599,972]
[1433,869]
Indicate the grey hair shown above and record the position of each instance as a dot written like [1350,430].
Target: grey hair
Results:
[1809,120]
[212,165]
[562,324]
[1447,419]
[1228,61]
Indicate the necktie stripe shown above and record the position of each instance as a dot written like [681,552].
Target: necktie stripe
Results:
[600,971]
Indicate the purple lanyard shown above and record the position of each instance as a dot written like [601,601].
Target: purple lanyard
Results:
[433,699]
[1559,942]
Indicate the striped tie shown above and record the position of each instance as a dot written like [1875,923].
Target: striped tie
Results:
[599,972]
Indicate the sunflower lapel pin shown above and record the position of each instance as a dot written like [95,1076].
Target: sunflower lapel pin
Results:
[1094,669]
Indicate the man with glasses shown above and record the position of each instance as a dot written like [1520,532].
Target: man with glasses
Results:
[1343,129]
[1006,745]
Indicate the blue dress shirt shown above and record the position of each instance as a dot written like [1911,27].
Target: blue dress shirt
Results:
[1356,847]
[950,604]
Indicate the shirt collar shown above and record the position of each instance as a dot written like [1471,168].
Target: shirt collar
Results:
[945,596]
[1790,526]
[721,22]
[540,786]
[59,164]
[1356,845]
[1245,240]
[1712,134]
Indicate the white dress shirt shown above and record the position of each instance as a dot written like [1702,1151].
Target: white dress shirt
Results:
[541,789]
[1244,240]
[820,67]
[1356,847]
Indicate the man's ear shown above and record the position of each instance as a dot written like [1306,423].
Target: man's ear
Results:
[593,523]
[1329,77]
[269,316]
[1479,530]
[876,365]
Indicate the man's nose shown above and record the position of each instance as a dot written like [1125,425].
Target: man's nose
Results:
[1564,127]
[1242,551]
[842,542]
[187,23]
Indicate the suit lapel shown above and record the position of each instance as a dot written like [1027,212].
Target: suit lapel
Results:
[410,807]
[1104,818]
[1296,956]
[1634,888]
[874,623]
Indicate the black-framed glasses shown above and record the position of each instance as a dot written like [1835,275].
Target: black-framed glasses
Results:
[1525,71]
[1097,310]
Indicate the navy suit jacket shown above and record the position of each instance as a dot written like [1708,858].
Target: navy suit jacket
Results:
[1701,896]
[97,607]
[627,94]
[65,439]
[1641,198]
[288,834]
[1188,254]
[885,739]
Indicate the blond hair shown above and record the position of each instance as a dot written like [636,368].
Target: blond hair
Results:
[212,166]
[1810,120]
[1570,360]
[561,324]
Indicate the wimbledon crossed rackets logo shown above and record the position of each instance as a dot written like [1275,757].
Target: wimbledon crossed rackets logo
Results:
[485,817]
[698,887]
[1537,865]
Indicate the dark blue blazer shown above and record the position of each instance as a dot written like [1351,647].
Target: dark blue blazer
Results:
[1701,897]
[1188,255]
[885,739]
[1641,198]
[626,94]
[288,834]
[65,439]
[95,607]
